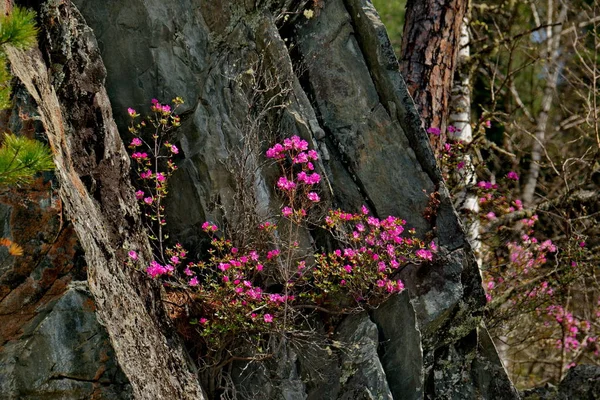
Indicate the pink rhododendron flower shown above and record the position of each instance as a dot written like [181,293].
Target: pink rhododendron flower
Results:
[548,245]
[203,321]
[194,281]
[275,152]
[512,175]
[313,179]
[155,269]
[295,143]
[131,112]
[272,253]
[284,184]
[286,211]
[224,266]
[209,227]
[136,142]
[133,255]
[302,176]
[434,131]
[484,184]
[312,196]
[301,158]
[148,200]
[424,254]
[139,194]
[174,149]
[518,204]
[268,318]
[160,177]
[146,174]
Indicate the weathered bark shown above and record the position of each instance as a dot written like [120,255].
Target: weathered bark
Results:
[428,58]
[93,170]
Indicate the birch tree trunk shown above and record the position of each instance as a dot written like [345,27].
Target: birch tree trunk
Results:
[552,69]
[460,118]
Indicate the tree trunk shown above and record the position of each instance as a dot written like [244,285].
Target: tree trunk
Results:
[460,118]
[428,59]
[552,69]
[337,85]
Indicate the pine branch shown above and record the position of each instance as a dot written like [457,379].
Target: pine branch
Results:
[21,158]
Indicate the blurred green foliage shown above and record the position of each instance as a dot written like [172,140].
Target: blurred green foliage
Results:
[392,15]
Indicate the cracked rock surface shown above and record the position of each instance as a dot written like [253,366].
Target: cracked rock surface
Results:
[336,81]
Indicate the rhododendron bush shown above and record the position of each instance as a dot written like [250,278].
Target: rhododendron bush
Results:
[249,291]
[543,297]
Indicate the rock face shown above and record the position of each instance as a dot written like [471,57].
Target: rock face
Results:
[334,81]
[51,343]
[581,382]
[62,353]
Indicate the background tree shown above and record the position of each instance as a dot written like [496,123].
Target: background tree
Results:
[533,72]
[428,57]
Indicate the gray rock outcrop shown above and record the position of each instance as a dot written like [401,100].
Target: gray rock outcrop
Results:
[335,82]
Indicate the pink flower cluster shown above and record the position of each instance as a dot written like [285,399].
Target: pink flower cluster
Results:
[300,195]
[155,269]
[572,328]
[160,108]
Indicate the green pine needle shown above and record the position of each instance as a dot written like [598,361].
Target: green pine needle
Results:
[21,158]
[18,29]
[5,84]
